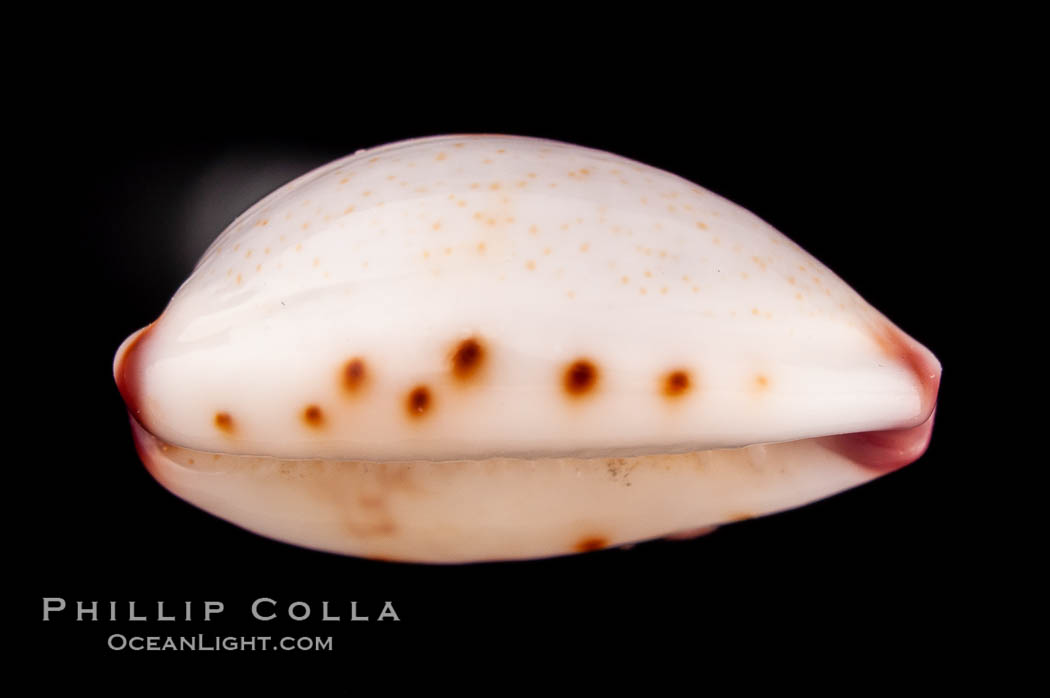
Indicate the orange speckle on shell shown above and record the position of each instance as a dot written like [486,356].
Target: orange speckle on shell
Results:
[580,378]
[224,422]
[591,543]
[313,416]
[467,359]
[677,383]
[354,374]
[418,401]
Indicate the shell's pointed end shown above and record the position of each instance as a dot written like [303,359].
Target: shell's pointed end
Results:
[891,449]
[918,359]
[884,451]
[127,371]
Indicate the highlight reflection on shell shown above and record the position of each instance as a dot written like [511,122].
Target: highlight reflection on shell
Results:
[492,347]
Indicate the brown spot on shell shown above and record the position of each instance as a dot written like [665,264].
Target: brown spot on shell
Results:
[580,377]
[677,383]
[591,543]
[355,374]
[467,358]
[224,422]
[313,416]
[418,402]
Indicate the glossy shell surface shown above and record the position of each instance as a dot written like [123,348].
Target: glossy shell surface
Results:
[490,347]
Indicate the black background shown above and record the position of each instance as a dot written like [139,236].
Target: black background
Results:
[854,158]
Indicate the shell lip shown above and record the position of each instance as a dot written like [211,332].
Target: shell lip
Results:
[127,369]
[882,450]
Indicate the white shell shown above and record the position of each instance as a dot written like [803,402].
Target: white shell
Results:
[543,254]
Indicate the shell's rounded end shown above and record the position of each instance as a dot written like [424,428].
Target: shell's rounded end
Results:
[884,451]
[922,363]
[127,370]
